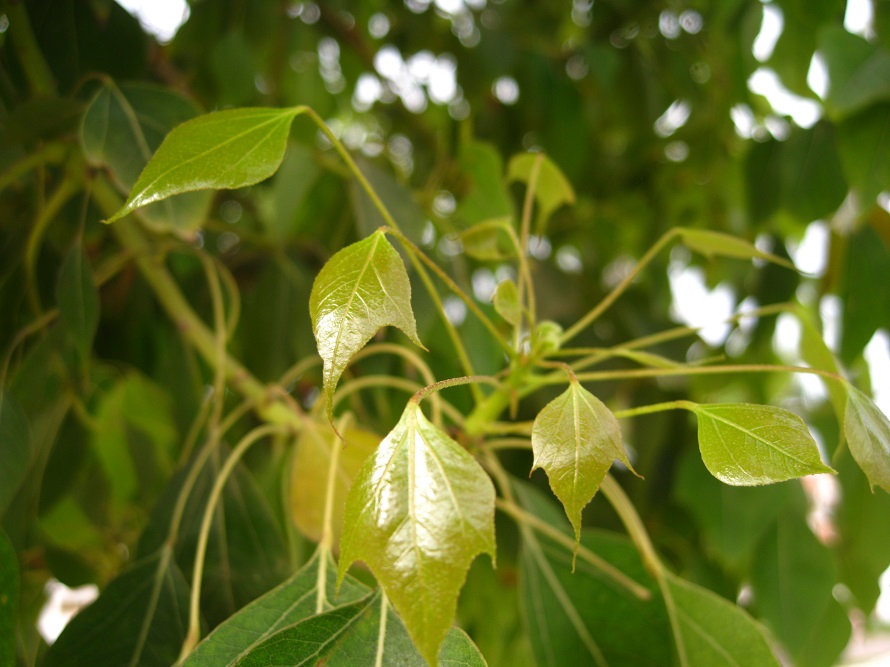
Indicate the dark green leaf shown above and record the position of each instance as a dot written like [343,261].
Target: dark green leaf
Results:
[747,445]
[867,430]
[575,439]
[552,189]
[864,145]
[813,184]
[713,631]
[361,289]
[506,302]
[222,150]
[858,72]
[78,300]
[15,448]
[418,513]
[139,619]
[9,599]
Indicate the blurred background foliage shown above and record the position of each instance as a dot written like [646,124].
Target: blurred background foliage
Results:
[646,107]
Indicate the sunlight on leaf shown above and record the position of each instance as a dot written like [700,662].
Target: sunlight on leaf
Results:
[575,438]
[748,445]
[419,512]
[867,430]
[506,302]
[361,289]
[717,244]
[225,149]
[553,188]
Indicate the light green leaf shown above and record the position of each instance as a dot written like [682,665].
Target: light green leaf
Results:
[717,244]
[225,149]
[858,72]
[489,240]
[15,448]
[361,289]
[486,195]
[712,631]
[9,599]
[78,300]
[294,600]
[747,445]
[575,438]
[139,619]
[506,302]
[816,353]
[552,190]
[122,126]
[419,512]
[360,633]
[868,435]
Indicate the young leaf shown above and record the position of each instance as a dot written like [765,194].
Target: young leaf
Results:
[225,149]
[489,240]
[575,438]
[9,598]
[553,188]
[867,430]
[355,634]
[361,289]
[15,448]
[418,513]
[78,300]
[139,619]
[717,244]
[506,302]
[712,631]
[747,445]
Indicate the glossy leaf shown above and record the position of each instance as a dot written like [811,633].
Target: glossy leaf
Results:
[717,244]
[552,190]
[506,302]
[575,438]
[747,445]
[418,513]
[858,72]
[139,619]
[226,149]
[78,300]
[9,599]
[867,430]
[361,289]
[351,635]
[309,475]
[15,448]
[122,126]
[713,631]
[294,600]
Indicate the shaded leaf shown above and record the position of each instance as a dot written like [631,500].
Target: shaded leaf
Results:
[867,430]
[309,475]
[506,302]
[486,197]
[866,302]
[294,600]
[351,635]
[361,289]
[552,190]
[712,631]
[813,184]
[396,197]
[78,300]
[575,438]
[858,72]
[717,244]
[15,448]
[225,149]
[488,240]
[9,599]
[864,146]
[418,513]
[747,445]
[139,619]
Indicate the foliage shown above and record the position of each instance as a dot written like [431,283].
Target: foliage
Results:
[309,225]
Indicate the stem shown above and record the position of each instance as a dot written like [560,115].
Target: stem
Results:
[24,43]
[649,409]
[40,156]
[327,528]
[381,631]
[694,370]
[507,443]
[600,308]
[452,382]
[525,277]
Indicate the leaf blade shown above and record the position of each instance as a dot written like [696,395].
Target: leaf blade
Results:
[15,448]
[78,300]
[867,430]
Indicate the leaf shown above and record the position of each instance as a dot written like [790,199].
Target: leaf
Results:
[747,445]
[489,240]
[816,353]
[396,197]
[9,600]
[584,614]
[139,619]
[866,302]
[418,513]
[858,72]
[712,631]
[812,178]
[575,438]
[864,146]
[361,289]
[867,430]
[294,600]
[717,244]
[351,635]
[309,475]
[486,196]
[78,300]
[232,148]
[552,189]
[506,302]
[122,126]
[15,448]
